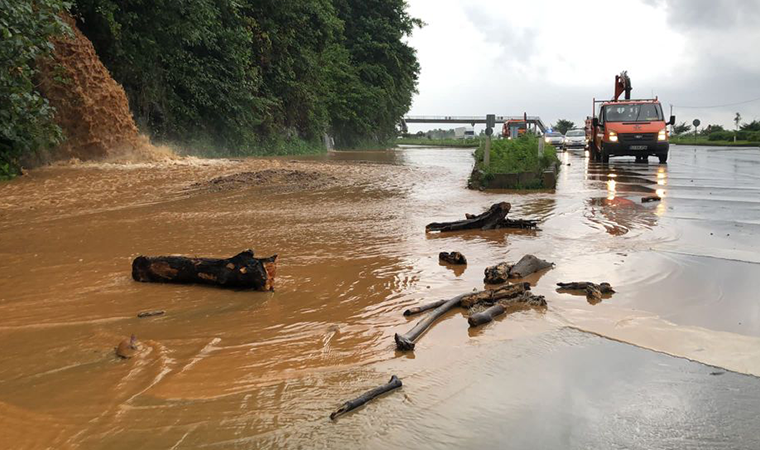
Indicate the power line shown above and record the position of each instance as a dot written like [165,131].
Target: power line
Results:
[717,106]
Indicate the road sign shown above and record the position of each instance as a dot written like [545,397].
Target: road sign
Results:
[696,122]
[489,131]
[490,120]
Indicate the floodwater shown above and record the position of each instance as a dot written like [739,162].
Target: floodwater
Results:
[669,361]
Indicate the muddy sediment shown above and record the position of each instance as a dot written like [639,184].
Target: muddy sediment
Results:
[263,369]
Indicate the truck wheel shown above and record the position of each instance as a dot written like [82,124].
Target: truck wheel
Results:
[663,158]
[604,155]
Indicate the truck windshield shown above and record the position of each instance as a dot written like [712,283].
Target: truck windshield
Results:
[640,112]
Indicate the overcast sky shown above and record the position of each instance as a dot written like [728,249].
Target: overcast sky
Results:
[550,57]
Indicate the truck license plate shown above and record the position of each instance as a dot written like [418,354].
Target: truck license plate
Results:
[638,147]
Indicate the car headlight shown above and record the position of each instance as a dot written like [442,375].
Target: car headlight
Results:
[548,140]
[662,135]
[613,136]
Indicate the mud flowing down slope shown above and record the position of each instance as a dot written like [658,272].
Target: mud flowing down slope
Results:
[236,369]
[91,107]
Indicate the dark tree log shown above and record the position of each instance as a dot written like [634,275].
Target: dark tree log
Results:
[593,291]
[517,223]
[650,198]
[423,308]
[405,341]
[593,294]
[527,265]
[605,288]
[350,405]
[240,271]
[490,296]
[486,221]
[486,316]
[497,274]
[455,258]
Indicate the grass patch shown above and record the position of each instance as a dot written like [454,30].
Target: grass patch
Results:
[270,147]
[516,156]
[439,142]
[703,140]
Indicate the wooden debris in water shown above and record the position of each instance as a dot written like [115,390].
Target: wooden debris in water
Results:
[350,405]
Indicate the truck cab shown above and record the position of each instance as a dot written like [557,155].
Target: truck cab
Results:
[630,128]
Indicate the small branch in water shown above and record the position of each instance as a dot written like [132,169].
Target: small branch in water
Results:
[350,405]
[160,312]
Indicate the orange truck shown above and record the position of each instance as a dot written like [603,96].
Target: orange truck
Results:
[514,128]
[628,127]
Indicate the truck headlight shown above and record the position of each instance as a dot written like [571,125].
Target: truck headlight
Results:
[662,135]
[613,136]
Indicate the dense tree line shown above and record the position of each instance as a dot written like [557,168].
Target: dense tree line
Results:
[26,118]
[247,76]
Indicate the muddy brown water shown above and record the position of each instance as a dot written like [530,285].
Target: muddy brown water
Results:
[234,369]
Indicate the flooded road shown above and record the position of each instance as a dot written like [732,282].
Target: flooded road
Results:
[230,369]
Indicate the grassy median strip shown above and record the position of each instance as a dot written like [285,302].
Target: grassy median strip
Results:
[515,156]
[439,142]
[705,140]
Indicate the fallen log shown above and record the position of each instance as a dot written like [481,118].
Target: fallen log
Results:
[405,342]
[650,198]
[490,296]
[486,221]
[605,287]
[422,308]
[486,316]
[593,291]
[455,258]
[240,271]
[517,223]
[527,265]
[497,274]
[350,405]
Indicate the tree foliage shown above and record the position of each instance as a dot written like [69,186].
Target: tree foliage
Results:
[681,128]
[26,123]
[245,73]
[752,126]
[563,126]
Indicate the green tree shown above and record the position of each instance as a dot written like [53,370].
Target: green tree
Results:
[375,83]
[752,126]
[563,126]
[26,118]
[186,65]
[681,128]
[711,129]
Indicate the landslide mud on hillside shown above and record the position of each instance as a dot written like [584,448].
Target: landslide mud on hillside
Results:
[259,370]
[91,107]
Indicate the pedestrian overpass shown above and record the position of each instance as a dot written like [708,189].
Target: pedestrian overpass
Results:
[471,120]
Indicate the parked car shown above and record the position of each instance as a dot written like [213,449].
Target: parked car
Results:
[574,139]
[554,138]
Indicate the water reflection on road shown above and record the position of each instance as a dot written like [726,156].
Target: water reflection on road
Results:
[242,369]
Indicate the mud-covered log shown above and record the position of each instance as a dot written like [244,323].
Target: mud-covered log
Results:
[490,296]
[240,271]
[517,223]
[455,258]
[422,308]
[350,405]
[527,265]
[604,287]
[486,316]
[405,341]
[497,274]
[486,221]
[593,291]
